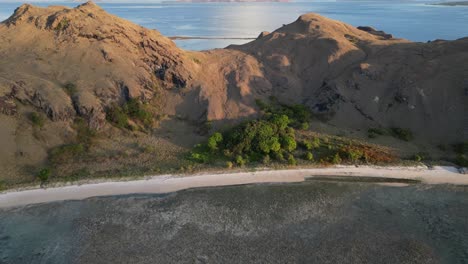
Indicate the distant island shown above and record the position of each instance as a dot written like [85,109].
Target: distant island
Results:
[460,3]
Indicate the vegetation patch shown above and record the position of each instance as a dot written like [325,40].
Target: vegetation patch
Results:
[375,132]
[43,175]
[84,140]
[62,25]
[70,88]
[401,133]
[461,149]
[37,119]
[133,109]
[280,137]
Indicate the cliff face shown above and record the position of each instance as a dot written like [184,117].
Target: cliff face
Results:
[75,62]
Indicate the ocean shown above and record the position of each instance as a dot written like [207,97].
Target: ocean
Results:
[413,21]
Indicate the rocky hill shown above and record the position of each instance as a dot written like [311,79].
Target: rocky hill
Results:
[80,62]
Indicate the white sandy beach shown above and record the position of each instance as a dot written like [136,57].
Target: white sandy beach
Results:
[172,183]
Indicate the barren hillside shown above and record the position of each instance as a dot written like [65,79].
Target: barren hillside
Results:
[68,63]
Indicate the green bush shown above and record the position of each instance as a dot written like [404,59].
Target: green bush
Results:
[291,160]
[266,159]
[2,185]
[214,140]
[66,152]
[417,158]
[262,105]
[84,134]
[279,156]
[288,143]
[310,145]
[117,116]
[401,133]
[37,119]
[133,109]
[462,160]
[63,24]
[461,148]
[305,126]
[240,161]
[44,174]
[136,110]
[375,132]
[229,164]
[199,157]
[336,159]
[309,156]
[70,88]
[354,154]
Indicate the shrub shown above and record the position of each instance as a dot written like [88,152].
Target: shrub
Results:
[279,156]
[37,119]
[66,152]
[401,133]
[44,174]
[134,109]
[262,105]
[63,24]
[70,88]
[2,185]
[289,143]
[307,144]
[240,161]
[309,156]
[461,148]
[117,116]
[291,160]
[353,154]
[375,132]
[305,126]
[462,160]
[199,157]
[281,121]
[417,158]
[336,159]
[214,140]
[229,165]
[266,159]
[84,134]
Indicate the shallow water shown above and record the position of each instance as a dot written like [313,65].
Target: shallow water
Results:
[312,222]
[414,21]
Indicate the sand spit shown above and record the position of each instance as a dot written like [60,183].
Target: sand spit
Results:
[172,183]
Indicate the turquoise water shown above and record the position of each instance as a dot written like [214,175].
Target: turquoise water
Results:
[414,21]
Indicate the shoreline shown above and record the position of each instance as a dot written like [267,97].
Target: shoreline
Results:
[172,183]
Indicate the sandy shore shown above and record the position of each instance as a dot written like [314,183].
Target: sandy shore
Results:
[171,183]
